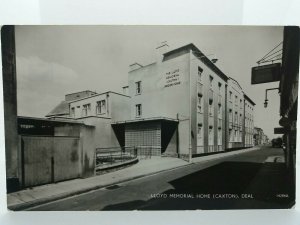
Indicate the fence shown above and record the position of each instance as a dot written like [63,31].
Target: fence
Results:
[113,155]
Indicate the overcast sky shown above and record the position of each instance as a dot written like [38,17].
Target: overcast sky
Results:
[56,60]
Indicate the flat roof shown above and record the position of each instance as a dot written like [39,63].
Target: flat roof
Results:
[48,120]
[95,95]
[200,56]
[145,120]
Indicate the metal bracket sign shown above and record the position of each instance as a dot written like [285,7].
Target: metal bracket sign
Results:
[266,73]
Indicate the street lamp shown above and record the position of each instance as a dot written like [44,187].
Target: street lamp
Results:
[266,98]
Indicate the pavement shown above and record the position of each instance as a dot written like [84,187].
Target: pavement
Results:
[47,193]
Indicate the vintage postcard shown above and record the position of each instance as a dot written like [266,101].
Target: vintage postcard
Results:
[150,117]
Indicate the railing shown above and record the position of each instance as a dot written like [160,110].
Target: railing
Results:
[113,155]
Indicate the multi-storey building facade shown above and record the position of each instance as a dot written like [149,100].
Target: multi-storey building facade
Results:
[181,105]
[235,114]
[249,122]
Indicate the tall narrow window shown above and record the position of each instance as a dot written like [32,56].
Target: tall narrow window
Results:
[200,102]
[86,109]
[211,82]
[220,86]
[200,71]
[72,112]
[210,136]
[138,110]
[138,87]
[211,108]
[200,134]
[101,107]
[219,136]
[230,95]
[219,110]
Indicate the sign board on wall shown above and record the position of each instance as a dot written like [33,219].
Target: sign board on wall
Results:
[266,73]
[172,78]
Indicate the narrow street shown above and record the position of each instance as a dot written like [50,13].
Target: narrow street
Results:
[254,179]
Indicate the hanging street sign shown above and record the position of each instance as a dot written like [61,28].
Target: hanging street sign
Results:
[266,73]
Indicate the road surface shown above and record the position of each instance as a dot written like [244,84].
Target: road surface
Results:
[236,182]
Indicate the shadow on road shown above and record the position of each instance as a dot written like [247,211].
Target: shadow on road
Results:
[266,185]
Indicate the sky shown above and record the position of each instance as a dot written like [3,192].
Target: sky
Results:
[53,61]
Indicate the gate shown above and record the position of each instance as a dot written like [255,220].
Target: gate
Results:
[49,159]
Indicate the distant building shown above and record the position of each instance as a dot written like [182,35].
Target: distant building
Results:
[259,137]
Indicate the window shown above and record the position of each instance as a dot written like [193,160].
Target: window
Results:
[211,108]
[230,95]
[200,102]
[200,134]
[219,110]
[101,107]
[210,136]
[138,110]
[211,82]
[86,109]
[73,112]
[236,99]
[138,87]
[236,118]
[220,86]
[200,70]
[219,136]
[230,115]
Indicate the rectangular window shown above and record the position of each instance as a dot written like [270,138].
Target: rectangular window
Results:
[211,82]
[138,110]
[220,86]
[236,99]
[200,134]
[101,107]
[73,112]
[219,110]
[230,95]
[210,136]
[200,70]
[219,136]
[86,109]
[211,108]
[138,87]
[200,102]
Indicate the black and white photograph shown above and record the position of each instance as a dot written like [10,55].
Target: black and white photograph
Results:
[150,117]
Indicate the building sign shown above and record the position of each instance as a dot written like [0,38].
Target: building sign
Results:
[280,130]
[266,73]
[172,78]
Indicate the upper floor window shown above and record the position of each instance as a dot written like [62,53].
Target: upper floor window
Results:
[200,103]
[200,71]
[73,112]
[211,82]
[86,109]
[236,99]
[138,87]
[101,107]
[138,110]
[220,86]
[211,108]
[230,95]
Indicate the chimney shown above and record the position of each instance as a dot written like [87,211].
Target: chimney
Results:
[162,48]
